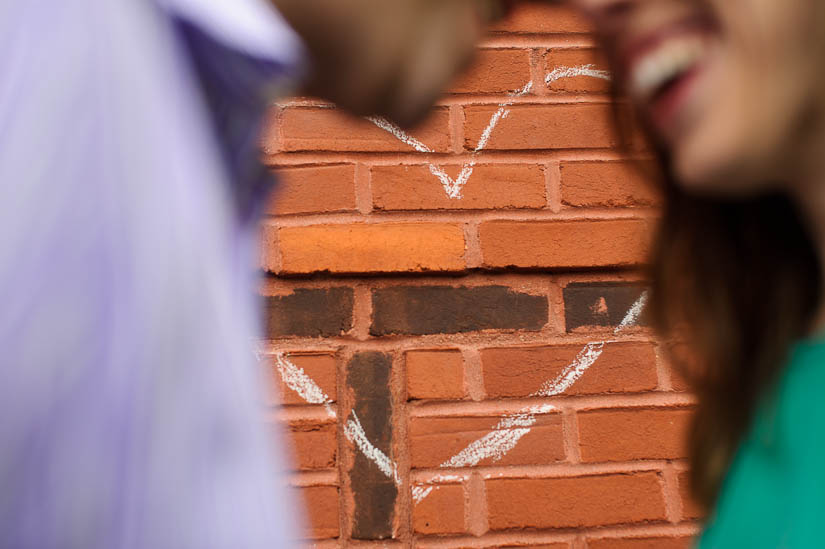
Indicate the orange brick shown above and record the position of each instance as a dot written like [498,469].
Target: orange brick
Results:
[678,542]
[631,434]
[321,368]
[521,371]
[495,71]
[314,446]
[543,127]
[491,186]
[435,375]
[542,18]
[314,189]
[372,248]
[574,502]
[690,508]
[606,184]
[321,505]
[442,512]
[434,440]
[569,58]
[555,244]
[539,546]
[319,129]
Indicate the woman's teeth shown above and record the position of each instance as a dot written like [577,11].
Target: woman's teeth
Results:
[665,63]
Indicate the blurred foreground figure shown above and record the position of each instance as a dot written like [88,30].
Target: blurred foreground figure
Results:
[129,191]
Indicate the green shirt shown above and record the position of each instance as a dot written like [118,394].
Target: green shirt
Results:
[774,493]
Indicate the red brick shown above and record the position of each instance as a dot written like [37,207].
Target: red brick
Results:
[310,312]
[435,375]
[421,310]
[314,446]
[630,434]
[543,127]
[318,129]
[574,502]
[321,504]
[495,71]
[678,542]
[690,508]
[491,186]
[542,18]
[321,368]
[442,512]
[434,440]
[372,248]
[314,189]
[569,58]
[604,303]
[606,184]
[521,371]
[556,244]
[539,546]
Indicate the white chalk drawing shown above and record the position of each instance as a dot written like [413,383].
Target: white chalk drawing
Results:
[453,187]
[505,435]
[356,435]
[501,439]
[571,72]
[513,427]
[296,379]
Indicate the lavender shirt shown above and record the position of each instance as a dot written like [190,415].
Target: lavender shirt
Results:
[130,405]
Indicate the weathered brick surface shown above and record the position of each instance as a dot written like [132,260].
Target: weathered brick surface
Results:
[314,445]
[599,304]
[677,542]
[606,184]
[314,189]
[499,186]
[419,310]
[317,129]
[323,501]
[434,440]
[372,248]
[574,502]
[442,513]
[430,289]
[320,367]
[630,434]
[374,494]
[521,371]
[495,70]
[543,127]
[564,244]
[310,313]
[437,374]
[559,59]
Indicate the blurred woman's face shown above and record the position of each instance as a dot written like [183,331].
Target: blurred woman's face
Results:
[731,88]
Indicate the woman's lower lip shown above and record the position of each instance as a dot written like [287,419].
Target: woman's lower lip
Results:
[666,108]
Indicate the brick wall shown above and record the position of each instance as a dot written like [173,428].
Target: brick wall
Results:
[452,315]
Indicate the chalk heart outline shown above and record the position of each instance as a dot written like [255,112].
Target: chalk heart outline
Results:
[453,187]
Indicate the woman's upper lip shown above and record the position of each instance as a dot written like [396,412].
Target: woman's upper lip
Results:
[632,49]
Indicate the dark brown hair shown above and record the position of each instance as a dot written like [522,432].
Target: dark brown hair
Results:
[738,281]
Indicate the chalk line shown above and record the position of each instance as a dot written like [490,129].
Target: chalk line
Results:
[296,379]
[571,72]
[355,433]
[453,187]
[511,428]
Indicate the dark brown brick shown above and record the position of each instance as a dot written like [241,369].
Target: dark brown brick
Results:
[418,310]
[310,313]
[374,494]
[599,304]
